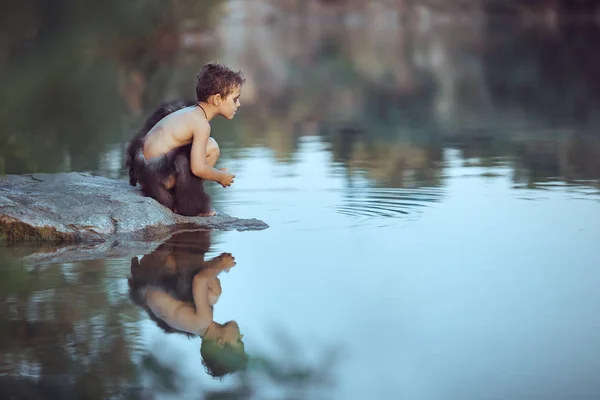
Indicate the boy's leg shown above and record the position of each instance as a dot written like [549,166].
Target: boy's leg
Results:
[190,197]
[151,178]
[154,188]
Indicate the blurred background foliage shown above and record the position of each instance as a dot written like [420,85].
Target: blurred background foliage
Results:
[65,65]
[415,76]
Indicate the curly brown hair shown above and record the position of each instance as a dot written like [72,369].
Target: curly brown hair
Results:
[215,78]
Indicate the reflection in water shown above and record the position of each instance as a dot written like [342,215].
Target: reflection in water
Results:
[178,290]
[64,330]
[71,331]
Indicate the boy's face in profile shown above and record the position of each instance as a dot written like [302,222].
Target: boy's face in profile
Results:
[232,336]
[231,103]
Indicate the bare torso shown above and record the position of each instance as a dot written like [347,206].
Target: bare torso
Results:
[177,314]
[173,131]
[180,314]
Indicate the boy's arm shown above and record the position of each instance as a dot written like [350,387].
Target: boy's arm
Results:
[199,165]
[207,277]
[204,312]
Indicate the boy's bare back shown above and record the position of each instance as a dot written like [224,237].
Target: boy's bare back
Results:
[175,130]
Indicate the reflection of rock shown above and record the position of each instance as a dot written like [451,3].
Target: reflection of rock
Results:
[75,207]
[77,252]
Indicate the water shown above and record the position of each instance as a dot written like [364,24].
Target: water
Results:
[433,199]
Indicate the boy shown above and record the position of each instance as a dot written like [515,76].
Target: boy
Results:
[178,289]
[173,153]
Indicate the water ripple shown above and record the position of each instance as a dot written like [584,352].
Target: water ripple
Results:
[387,202]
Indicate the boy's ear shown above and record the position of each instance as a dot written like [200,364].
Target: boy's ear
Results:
[217,99]
[220,342]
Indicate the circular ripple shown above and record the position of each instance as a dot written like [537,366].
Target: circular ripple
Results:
[387,203]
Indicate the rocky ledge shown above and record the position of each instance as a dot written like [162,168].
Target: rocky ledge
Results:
[79,207]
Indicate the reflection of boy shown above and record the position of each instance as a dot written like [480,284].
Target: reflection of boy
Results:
[182,302]
[174,153]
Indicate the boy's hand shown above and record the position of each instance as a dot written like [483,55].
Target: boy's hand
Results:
[227,179]
[226,261]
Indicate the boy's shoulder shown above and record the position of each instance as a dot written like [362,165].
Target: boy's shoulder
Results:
[190,116]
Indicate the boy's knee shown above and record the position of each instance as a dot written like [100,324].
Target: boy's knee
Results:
[212,148]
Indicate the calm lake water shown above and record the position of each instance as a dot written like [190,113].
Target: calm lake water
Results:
[433,197]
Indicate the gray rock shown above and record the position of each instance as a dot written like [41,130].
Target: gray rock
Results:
[79,207]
